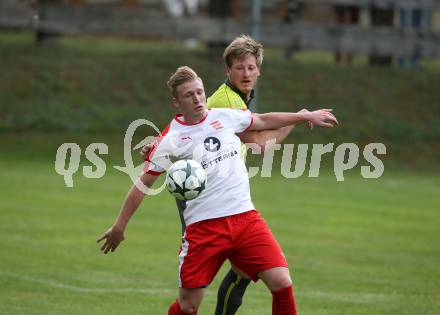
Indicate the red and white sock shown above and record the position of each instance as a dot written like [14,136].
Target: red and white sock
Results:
[176,310]
[283,302]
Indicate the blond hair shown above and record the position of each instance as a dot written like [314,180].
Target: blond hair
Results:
[182,75]
[243,46]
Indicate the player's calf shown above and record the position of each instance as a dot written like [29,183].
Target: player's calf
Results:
[283,302]
[280,284]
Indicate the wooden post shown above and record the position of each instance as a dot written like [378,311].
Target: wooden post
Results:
[381,17]
[44,36]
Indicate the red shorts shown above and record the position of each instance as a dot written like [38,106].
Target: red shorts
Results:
[244,239]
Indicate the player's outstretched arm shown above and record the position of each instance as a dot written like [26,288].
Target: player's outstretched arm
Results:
[115,234]
[322,117]
[261,137]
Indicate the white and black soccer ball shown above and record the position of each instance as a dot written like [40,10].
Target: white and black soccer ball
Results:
[186,179]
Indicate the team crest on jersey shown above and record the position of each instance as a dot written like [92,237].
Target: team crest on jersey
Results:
[212,144]
[216,124]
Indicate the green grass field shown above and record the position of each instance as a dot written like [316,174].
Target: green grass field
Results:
[354,247]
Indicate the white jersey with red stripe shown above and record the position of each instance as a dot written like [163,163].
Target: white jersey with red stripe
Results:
[214,144]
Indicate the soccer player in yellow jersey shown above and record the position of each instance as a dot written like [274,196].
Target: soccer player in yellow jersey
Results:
[243,58]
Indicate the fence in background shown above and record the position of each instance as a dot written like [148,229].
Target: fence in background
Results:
[145,21]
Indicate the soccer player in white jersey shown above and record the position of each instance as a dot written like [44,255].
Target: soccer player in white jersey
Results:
[222,222]
[243,60]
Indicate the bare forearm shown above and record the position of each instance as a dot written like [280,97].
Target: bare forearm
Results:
[129,207]
[278,134]
[321,117]
[261,137]
[277,120]
[115,235]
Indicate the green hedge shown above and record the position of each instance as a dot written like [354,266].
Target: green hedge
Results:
[85,84]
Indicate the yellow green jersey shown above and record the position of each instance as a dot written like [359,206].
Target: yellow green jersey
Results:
[228,96]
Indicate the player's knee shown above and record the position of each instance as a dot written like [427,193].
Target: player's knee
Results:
[188,308]
[281,281]
[276,278]
[190,299]
[284,282]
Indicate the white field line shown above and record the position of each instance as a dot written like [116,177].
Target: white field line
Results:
[78,289]
[361,297]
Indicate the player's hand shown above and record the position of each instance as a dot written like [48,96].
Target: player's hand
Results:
[323,118]
[113,237]
[308,123]
[146,150]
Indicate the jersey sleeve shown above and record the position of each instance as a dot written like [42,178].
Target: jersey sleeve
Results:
[153,169]
[241,119]
[157,161]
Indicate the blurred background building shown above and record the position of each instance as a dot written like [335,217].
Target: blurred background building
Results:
[386,30]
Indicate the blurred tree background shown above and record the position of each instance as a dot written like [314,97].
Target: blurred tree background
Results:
[54,82]
[89,85]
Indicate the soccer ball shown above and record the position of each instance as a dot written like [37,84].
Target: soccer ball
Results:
[186,179]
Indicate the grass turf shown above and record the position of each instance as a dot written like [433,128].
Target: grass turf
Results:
[354,247]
